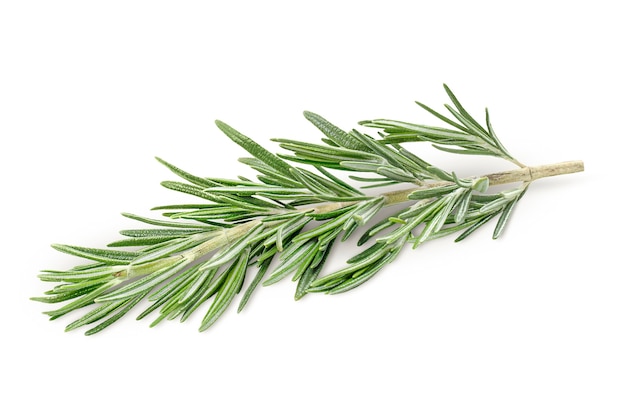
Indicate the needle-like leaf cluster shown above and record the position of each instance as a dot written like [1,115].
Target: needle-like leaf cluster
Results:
[286,222]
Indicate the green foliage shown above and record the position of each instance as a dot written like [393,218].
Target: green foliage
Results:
[468,135]
[287,222]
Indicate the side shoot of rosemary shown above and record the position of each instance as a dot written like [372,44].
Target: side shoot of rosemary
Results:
[285,223]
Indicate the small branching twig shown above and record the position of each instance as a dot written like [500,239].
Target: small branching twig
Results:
[202,252]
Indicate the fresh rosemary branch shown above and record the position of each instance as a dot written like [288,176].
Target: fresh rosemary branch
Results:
[287,222]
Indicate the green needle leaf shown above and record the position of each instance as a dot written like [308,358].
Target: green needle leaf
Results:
[107,256]
[167,223]
[95,315]
[480,222]
[432,192]
[203,182]
[226,294]
[506,214]
[127,306]
[364,275]
[333,132]
[253,285]
[255,149]
[312,271]
[504,217]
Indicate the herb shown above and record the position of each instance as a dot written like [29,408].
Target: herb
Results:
[291,218]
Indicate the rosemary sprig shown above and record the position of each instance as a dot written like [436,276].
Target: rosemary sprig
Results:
[291,218]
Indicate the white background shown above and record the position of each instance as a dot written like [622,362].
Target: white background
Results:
[90,92]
